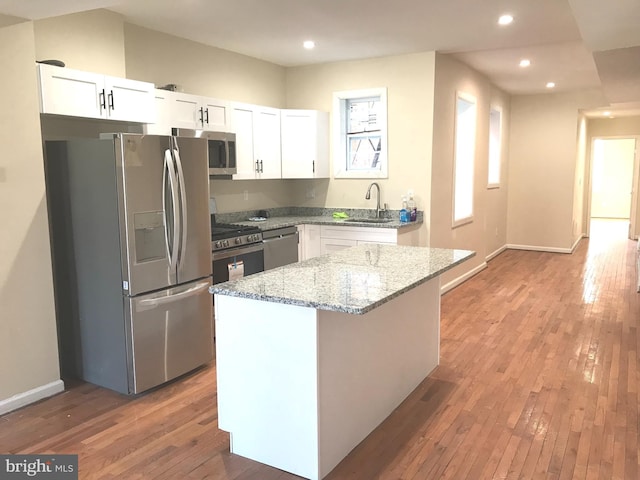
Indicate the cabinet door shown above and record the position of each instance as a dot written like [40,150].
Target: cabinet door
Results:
[301,243]
[266,135]
[129,100]
[243,124]
[305,151]
[64,91]
[186,111]
[216,115]
[328,245]
[162,125]
[298,143]
[312,247]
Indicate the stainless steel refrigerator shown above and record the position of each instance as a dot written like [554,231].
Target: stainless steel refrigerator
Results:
[130,233]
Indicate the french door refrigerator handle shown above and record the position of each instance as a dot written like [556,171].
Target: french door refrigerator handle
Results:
[172,250]
[183,208]
[154,302]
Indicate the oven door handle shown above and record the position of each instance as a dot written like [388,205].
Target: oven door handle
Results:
[236,252]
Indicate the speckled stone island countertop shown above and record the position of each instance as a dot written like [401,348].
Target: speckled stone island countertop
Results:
[355,280]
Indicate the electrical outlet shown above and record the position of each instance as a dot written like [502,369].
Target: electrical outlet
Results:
[246,195]
[311,193]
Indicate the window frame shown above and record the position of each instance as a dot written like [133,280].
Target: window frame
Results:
[340,139]
[497,158]
[469,173]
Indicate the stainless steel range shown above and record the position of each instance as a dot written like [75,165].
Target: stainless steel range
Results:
[236,251]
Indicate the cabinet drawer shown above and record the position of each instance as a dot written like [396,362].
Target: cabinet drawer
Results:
[361,234]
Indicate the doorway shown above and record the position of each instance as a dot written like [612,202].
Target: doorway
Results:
[614,179]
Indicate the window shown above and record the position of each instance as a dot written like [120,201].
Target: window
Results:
[495,147]
[464,156]
[360,133]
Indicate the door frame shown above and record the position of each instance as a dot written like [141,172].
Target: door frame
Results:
[633,227]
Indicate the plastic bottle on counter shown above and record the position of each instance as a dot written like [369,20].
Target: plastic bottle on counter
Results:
[404,212]
[413,209]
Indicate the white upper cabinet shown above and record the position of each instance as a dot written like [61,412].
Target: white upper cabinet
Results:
[162,126]
[257,132]
[64,91]
[196,112]
[266,139]
[305,144]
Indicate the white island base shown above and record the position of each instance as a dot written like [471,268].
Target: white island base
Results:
[299,387]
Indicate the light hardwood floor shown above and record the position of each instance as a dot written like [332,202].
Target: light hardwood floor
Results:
[538,379]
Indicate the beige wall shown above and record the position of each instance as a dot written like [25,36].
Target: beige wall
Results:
[242,195]
[28,340]
[580,182]
[409,80]
[91,41]
[542,168]
[201,70]
[495,231]
[614,127]
[489,205]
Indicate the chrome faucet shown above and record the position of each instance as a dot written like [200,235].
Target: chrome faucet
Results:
[368,197]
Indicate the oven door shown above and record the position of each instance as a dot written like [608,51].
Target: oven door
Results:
[241,261]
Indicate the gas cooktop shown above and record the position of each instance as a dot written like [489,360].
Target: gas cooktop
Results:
[228,230]
[229,235]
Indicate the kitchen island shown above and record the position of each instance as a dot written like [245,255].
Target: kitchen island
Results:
[311,357]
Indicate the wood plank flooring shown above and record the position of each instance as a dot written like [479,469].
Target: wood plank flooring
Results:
[538,379]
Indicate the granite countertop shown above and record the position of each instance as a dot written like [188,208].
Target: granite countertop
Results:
[355,280]
[288,217]
[288,221]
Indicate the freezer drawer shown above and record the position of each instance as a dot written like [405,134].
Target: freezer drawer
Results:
[171,334]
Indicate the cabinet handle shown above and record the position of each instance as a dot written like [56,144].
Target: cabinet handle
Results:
[207,116]
[202,116]
[102,100]
[313,166]
[261,169]
[257,166]
[112,104]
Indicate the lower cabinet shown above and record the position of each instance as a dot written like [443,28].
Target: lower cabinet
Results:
[337,238]
[320,239]
[328,245]
[309,245]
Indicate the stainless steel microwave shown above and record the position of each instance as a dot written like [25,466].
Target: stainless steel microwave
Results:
[221,149]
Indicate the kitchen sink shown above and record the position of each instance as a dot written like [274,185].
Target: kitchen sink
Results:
[368,220]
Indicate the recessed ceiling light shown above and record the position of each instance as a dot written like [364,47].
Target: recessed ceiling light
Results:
[525,62]
[550,84]
[505,19]
[606,114]
[309,44]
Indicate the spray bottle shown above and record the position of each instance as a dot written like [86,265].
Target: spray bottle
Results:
[412,208]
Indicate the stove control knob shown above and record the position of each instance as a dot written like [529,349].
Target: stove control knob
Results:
[226,243]
[249,238]
[238,240]
[218,245]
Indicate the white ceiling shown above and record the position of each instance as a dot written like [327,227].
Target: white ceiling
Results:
[577,44]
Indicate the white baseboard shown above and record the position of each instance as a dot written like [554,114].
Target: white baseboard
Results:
[546,249]
[462,278]
[575,244]
[539,249]
[30,396]
[496,253]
